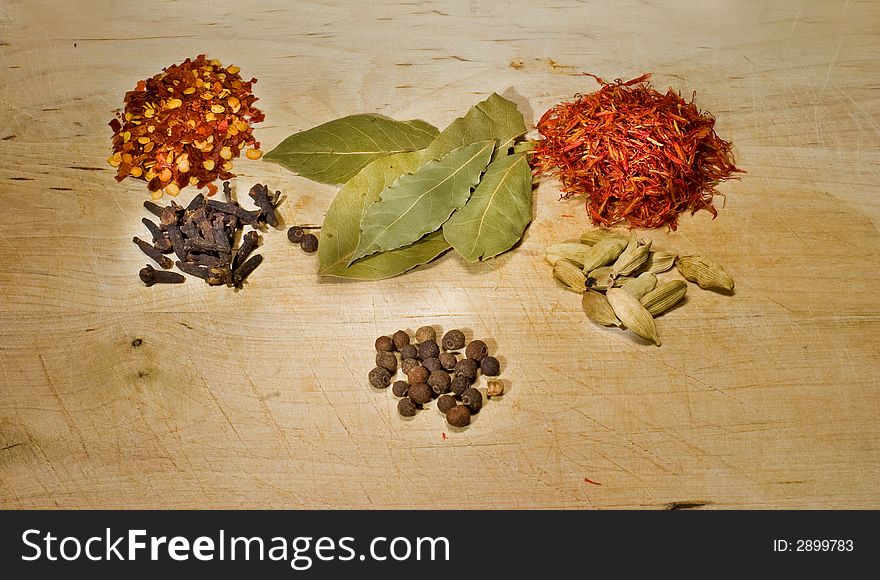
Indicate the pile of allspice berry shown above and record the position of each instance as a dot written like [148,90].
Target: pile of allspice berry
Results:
[617,277]
[436,371]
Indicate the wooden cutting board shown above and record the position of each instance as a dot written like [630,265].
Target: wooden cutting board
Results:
[766,399]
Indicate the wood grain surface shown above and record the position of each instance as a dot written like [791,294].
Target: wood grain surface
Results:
[766,399]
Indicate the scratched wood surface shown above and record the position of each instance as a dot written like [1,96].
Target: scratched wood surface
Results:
[766,399]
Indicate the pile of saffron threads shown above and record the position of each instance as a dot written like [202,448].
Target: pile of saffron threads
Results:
[638,156]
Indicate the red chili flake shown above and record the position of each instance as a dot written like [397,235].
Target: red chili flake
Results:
[184,126]
[638,156]
[591,481]
[443,434]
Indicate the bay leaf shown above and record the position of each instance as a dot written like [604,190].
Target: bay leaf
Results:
[342,225]
[394,262]
[495,118]
[418,203]
[497,213]
[335,151]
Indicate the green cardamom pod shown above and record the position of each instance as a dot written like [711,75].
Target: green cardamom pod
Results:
[640,285]
[593,237]
[570,275]
[572,251]
[632,314]
[659,261]
[705,272]
[598,310]
[664,296]
[632,258]
[603,253]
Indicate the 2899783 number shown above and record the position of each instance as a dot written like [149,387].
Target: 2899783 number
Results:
[824,546]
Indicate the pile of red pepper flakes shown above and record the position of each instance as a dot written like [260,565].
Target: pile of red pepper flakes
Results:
[638,156]
[184,126]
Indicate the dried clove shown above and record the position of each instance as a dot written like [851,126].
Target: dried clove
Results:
[193,270]
[249,242]
[160,239]
[150,276]
[153,208]
[251,218]
[260,194]
[243,271]
[153,253]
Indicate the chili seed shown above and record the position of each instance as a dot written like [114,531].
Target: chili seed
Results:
[476,350]
[453,340]
[420,393]
[473,399]
[446,402]
[399,388]
[490,366]
[426,333]
[400,338]
[309,243]
[380,378]
[448,360]
[428,350]
[458,416]
[384,343]
[406,408]
[387,360]
[494,388]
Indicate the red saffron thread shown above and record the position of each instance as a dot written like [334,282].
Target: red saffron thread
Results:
[638,156]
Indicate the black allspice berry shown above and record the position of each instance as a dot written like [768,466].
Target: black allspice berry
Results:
[458,416]
[400,338]
[459,385]
[417,374]
[406,408]
[399,388]
[420,393]
[453,340]
[384,343]
[428,349]
[408,364]
[439,381]
[295,234]
[476,350]
[426,333]
[446,402]
[380,378]
[387,360]
[409,351]
[432,364]
[490,366]
[448,360]
[309,243]
[466,367]
[473,399]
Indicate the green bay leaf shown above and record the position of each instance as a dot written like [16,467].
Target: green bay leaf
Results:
[342,224]
[496,215]
[394,262]
[495,118]
[335,151]
[418,203]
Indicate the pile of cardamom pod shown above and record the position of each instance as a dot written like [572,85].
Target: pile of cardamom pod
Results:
[617,276]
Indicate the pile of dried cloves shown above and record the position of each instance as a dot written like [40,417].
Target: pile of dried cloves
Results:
[202,236]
